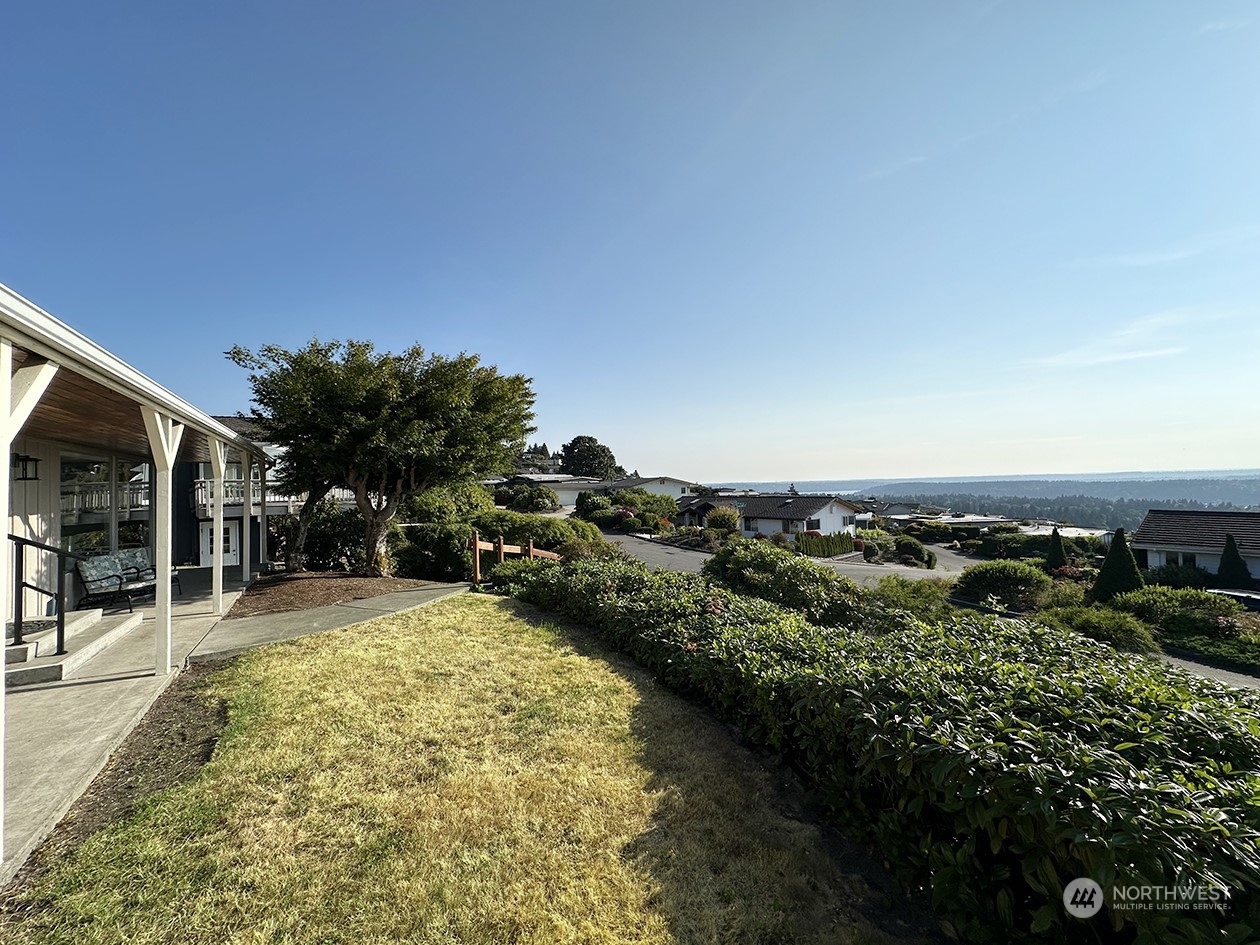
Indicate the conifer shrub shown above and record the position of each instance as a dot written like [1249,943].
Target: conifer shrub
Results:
[824,546]
[1232,572]
[1012,584]
[1056,556]
[724,518]
[1119,572]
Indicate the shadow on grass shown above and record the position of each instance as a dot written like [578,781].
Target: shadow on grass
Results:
[738,848]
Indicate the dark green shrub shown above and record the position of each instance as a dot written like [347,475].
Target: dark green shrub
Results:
[1181,610]
[603,518]
[1233,572]
[970,546]
[630,524]
[990,760]
[1119,572]
[1003,528]
[445,505]
[1121,630]
[764,570]
[724,518]
[534,499]
[589,502]
[904,546]
[1012,584]
[434,553]
[517,528]
[1056,556]
[507,576]
[825,546]
[1178,575]
[581,548]
[640,502]
[334,539]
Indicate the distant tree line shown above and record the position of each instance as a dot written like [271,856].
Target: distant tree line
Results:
[1081,510]
[1241,490]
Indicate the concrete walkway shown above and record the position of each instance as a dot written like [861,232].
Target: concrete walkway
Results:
[60,735]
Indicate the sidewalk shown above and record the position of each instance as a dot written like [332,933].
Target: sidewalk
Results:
[59,735]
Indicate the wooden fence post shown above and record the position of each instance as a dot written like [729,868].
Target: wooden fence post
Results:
[498,549]
[476,550]
[531,549]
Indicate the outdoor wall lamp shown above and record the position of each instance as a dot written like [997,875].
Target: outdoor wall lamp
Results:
[25,468]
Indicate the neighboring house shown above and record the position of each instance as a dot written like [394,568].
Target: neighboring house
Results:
[767,514]
[656,485]
[1196,538]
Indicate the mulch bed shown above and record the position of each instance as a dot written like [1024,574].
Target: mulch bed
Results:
[279,593]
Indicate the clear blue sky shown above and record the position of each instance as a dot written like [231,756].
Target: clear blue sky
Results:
[733,241]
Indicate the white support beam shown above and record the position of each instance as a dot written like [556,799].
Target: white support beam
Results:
[165,435]
[218,467]
[262,513]
[247,510]
[6,552]
[28,385]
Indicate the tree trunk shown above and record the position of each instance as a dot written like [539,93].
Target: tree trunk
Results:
[378,511]
[375,558]
[295,553]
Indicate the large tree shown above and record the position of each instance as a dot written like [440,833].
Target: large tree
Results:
[586,456]
[385,425]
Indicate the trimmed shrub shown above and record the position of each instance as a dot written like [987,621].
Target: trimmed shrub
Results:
[1064,594]
[724,518]
[1056,556]
[517,528]
[1121,630]
[434,553]
[764,570]
[334,539]
[589,502]
[642,502]
[824,546]
[534,499]
[990,760]
[1181,610]
[507,577]
[446,504]
[1012,584]
[1119,572]
[904,546]
[1178,575]
[1232,572]
[631,524]
[925,599]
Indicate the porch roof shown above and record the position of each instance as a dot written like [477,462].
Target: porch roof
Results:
[93,401]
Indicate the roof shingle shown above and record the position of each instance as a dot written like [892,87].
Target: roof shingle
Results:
[1179,528]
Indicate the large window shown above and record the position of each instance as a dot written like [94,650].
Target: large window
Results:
[104,504]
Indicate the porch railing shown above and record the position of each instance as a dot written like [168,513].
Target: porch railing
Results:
[234,494]
[20,585]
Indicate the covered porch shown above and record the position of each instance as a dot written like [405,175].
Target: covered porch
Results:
[89,455]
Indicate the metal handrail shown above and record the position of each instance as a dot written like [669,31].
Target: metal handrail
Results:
[20,584]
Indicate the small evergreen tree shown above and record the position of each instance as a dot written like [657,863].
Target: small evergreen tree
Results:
[1119,572]
[1056,557]
[1233,572]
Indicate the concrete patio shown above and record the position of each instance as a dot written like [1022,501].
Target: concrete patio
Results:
[59,735]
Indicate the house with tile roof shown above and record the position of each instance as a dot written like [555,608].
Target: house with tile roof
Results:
[1196,538]
[781,512]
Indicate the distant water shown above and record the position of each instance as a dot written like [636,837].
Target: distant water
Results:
[927,484]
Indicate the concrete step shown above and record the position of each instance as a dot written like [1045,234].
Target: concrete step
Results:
[87,644]
[44,642]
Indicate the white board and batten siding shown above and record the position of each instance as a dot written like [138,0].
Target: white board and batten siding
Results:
[35,513]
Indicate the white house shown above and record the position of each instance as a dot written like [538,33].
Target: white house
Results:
[1196,538]
[656,485]
[565,487]
[767,514]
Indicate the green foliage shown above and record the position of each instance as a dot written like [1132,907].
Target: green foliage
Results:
[1056,554]
[1015,545]
[990,760]
[908,547]
[1121,630]
[509,575]
[533,499]
[764,570]
[518,528]
[589,502]
[1119,573]
[642,502]
[926,599]
[1178,575]
[604,518]
[825,546]
[435,552]
[630,525]
[1012,584]
[1064,594]
[942,531]
[385,425]
[334,539]
[1181,610]
[586,456]
[447,504]
[1003,528]
[724,518]
[1233,572]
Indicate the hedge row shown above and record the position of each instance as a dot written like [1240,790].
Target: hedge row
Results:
[991,761]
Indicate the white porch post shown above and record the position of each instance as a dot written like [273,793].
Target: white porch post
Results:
[247,512]
[218,462]
[262,513]
[164,438]
[19,393]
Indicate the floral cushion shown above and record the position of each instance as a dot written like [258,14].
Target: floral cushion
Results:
[100,568]
[137,560]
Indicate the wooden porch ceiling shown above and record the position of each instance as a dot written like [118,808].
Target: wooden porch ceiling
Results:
[83,414]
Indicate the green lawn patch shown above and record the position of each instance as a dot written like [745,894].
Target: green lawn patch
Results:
[459,773]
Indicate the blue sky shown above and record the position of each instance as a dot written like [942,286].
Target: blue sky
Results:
[733,241]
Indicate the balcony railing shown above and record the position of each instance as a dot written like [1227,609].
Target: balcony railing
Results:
[234,495]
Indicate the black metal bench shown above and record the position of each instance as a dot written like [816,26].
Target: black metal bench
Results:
[115,578]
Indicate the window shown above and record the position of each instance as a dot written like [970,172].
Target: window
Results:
[1184,558]
[750,524]
[813,524]
[787,525]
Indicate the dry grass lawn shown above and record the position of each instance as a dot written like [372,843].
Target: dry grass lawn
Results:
[460,773]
